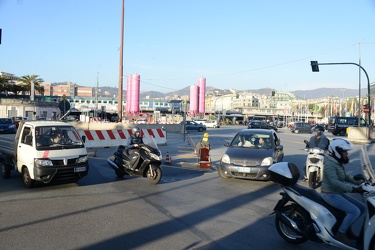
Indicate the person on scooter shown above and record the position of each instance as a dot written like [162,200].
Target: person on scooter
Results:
[335,187]
[133,147]
[318,139]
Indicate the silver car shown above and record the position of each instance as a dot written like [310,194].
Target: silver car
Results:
[250,153]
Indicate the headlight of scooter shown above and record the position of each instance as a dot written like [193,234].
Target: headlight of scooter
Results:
[157,157]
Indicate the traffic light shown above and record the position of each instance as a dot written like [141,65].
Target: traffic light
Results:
[314,66]
[273,93]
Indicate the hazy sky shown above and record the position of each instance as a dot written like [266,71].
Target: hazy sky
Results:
[242,44]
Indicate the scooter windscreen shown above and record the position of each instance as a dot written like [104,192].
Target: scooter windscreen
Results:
[366,166]
[149,140]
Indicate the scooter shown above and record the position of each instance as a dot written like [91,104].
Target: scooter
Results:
[302,214]
[148,166]
[314,165]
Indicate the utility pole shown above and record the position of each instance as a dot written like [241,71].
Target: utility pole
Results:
[121,65]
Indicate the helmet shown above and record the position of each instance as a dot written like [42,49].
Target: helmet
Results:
[319,129]
[337,146]
[135,130]
[205,135]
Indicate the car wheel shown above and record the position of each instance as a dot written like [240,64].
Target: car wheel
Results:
[342,132]
[296,131]
[200,129]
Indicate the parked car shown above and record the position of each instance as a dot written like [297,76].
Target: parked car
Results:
[212,124]
[259,124]
[300,127]
[338,125]
[192,125]
[251,159]
[17,119]
[7,126]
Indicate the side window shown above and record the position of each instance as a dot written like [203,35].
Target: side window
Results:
[276,138]
[27,137]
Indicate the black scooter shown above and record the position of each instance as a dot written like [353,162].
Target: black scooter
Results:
[149,164]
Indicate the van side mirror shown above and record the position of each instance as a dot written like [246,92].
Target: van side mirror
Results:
[84,139]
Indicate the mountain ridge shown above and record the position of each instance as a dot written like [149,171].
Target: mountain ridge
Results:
[301,94]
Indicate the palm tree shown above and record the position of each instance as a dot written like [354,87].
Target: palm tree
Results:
[4,84]
[27,80]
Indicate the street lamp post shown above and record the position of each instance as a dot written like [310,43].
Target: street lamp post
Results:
[315,68]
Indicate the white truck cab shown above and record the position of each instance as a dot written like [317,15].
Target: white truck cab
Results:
[44,151]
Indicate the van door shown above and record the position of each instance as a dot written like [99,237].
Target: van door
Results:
[26,150]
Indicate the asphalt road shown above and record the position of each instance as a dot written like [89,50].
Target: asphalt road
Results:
[191,208]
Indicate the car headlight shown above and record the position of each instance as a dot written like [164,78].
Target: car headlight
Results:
[12,126]
[43,162]
[225,159]
[82,159]
[267,161]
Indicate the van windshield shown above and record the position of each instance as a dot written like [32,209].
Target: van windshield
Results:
[57,137]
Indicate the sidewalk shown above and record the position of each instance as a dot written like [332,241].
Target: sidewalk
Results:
[181,152]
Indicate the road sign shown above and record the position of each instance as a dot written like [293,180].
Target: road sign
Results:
[64,106]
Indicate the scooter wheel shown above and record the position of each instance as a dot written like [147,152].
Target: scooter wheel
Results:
[312,180]
[154,176]
[287,233]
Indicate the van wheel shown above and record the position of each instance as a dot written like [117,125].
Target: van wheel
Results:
[5,170]
[26,179]
[342,132]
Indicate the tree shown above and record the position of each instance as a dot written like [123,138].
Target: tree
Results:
[27,80]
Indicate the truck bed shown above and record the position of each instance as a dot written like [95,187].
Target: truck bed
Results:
[7,144]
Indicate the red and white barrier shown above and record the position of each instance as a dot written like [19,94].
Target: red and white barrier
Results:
[113,138]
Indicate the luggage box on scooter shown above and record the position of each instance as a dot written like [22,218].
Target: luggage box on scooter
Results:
[284,173]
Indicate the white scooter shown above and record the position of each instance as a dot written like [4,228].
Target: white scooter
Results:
[302,214]
[314,165]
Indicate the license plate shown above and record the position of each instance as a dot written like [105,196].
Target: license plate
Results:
[80,169]
[243,170]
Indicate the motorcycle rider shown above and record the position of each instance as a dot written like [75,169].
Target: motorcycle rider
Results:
[133,147]
[318,139]
[335,187]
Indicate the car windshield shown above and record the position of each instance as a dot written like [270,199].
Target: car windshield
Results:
[57,137]
[252,140]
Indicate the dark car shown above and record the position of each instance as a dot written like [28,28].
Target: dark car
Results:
[191,125]
[338,125]
[7,125]
[259,124]
[248,158]
[300,127]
